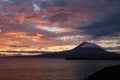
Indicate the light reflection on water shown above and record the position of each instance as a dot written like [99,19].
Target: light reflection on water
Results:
[49,69]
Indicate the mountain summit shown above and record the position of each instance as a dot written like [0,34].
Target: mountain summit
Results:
[89,45]
[89,48]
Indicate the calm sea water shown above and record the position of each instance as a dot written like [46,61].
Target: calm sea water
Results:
[49,69]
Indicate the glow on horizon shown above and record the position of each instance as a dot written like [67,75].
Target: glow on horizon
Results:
[58,48]
[48,49]
[52,48]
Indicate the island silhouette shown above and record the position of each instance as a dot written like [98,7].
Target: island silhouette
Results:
[85,50]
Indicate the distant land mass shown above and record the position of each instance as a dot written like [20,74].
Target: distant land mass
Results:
[85,50]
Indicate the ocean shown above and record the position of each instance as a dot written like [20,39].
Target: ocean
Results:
[50,69]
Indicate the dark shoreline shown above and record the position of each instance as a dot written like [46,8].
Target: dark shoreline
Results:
[107,73]
[72,58]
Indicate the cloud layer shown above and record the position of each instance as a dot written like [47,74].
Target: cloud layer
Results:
[37,24]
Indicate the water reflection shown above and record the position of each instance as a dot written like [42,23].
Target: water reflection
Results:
[49,69]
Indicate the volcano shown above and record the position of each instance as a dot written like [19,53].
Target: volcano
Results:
[87,47]
[85,50]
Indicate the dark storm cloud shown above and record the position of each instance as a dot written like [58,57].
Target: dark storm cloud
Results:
[18,1]
[59,2]
[105,27]
[15,1]
[93,8]
[43,4]
[61,17]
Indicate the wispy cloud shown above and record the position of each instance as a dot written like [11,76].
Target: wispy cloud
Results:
[36,7]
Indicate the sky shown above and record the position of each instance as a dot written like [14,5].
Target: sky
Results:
[57,25]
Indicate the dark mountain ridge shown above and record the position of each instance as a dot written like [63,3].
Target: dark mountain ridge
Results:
[85,50]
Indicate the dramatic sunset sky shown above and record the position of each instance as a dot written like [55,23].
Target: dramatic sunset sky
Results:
[56,25]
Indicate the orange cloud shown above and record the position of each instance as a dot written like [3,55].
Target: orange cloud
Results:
[18,38]
[23,35]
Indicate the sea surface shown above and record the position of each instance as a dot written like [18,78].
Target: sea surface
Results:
[50,69]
